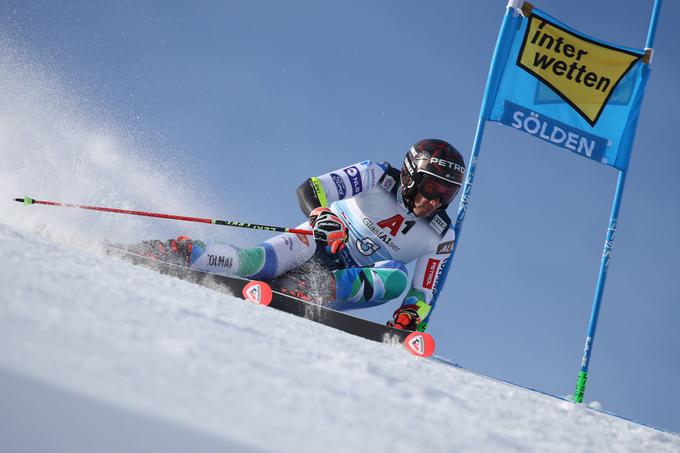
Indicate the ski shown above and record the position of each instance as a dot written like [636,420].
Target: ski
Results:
[420,344]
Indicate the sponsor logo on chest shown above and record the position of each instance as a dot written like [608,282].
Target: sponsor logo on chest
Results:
[438,224]
[380,234]
[388,183]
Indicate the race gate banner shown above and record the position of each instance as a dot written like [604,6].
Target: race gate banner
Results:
[564,87]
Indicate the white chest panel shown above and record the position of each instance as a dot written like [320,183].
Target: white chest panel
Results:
[381,229]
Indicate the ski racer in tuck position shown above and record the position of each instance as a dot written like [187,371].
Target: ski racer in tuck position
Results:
[368,221]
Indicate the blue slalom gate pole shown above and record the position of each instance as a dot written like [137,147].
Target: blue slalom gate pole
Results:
[651,33]
[491,83]
[608,244]
[599,290]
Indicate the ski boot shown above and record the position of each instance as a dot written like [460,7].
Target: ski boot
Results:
[173,251]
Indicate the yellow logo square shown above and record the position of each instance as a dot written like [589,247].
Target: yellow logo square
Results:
[581,71]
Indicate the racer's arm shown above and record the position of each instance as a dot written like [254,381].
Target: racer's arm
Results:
[321,191]
[422,296]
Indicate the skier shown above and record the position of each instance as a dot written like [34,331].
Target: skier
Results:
[368,221]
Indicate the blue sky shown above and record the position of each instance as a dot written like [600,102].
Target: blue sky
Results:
[251,98]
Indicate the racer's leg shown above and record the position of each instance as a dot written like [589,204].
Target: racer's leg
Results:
[264,261]
[363,287]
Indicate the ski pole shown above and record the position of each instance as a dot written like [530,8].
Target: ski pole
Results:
[231,223]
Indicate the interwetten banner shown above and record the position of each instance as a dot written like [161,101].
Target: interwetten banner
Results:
[572,90]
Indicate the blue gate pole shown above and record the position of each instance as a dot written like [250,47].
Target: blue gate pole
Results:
[608,243]
[493,78]
[604,266]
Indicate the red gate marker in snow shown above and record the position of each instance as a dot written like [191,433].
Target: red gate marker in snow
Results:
[420,344]
[258,292]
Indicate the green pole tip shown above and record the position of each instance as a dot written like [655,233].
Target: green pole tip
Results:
[580,386]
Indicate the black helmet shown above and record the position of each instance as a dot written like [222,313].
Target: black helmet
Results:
[434,169]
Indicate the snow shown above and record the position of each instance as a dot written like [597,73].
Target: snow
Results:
[99,355]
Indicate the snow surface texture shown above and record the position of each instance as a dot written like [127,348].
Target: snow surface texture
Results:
[99,355]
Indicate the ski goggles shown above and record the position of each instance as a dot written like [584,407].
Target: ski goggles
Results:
[433,187]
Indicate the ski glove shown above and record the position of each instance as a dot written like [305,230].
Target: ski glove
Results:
[405,317]
[328,228]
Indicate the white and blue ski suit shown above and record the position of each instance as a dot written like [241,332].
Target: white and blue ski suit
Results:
[384,236]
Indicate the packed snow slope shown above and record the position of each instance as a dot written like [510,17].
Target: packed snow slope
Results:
[99,355]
